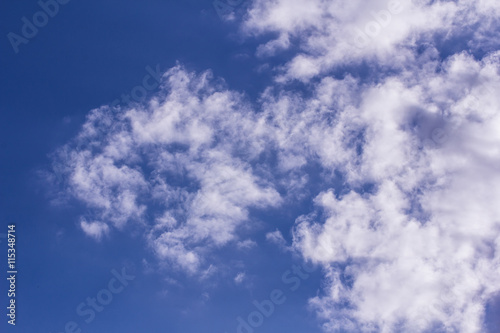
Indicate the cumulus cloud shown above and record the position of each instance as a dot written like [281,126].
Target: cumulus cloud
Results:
[420,249]
[332,34]
[418,154]
[185,159]
[401,163]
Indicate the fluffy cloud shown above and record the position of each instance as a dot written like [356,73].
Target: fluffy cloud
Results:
[418,154]
[277,238]
[94,229]
[401,162]
[418,249]
[332,34]
[181,167]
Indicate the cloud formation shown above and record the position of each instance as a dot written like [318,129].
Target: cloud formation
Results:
[327,35]
[181,166]
[406,155]
[414,245]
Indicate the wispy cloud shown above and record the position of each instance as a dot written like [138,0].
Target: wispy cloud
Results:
[408,241]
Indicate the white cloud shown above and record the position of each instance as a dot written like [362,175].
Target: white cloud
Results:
[330,34]
[421,247]
[239,278]
[185,159]
[402,165]
[246,244]
[418,153]
[276,237]
[94,229]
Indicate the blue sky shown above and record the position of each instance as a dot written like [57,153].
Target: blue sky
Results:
[360,138]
